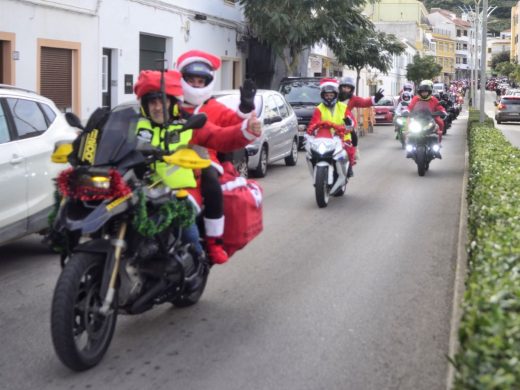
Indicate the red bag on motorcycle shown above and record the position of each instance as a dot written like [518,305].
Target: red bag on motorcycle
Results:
[242,209]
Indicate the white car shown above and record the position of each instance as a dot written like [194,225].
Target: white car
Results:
[279,138]
[30,125]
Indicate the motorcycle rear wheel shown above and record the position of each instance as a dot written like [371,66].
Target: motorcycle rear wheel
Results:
[321,186]
[80,334]
[420,160]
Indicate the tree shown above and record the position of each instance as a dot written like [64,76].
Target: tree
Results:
[498,58]
[366,48]
[290,26]
[505,68]
[422,68]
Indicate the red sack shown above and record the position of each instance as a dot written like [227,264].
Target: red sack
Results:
[242,210]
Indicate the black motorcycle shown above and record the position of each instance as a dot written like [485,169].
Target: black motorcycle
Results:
[120,235]
[422,141]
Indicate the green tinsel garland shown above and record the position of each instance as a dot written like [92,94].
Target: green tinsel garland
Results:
[179,211]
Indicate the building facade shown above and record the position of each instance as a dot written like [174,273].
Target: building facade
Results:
[90,55]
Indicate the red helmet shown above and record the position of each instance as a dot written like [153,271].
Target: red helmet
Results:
[149,81]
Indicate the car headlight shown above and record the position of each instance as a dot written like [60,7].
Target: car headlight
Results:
[415,127]
[302,127]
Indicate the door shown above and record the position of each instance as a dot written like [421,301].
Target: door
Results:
[286,133]
[106,72]
[13,181]
[273,130]
[36,149]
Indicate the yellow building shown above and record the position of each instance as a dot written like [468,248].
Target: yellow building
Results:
[444,53]
[515,30]
[404,18]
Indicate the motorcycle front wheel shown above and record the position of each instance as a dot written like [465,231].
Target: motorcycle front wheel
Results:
[80,333]
[420,160]
[321,186]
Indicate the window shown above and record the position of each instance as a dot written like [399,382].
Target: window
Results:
[104,74]
[49,113]
[4,131]
[282,107]
[464,60]
[459,33]
[28,118]
[465,33]
[270,109]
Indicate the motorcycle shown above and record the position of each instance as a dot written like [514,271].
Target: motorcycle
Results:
[400,123]
[422,141]
[121,237]
[328,163]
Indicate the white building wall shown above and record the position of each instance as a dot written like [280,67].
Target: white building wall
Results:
[117,25]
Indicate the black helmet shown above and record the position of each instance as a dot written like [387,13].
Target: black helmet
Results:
[427,86]
[200,69]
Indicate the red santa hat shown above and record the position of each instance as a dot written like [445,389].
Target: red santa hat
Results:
[329,82]
[198,56]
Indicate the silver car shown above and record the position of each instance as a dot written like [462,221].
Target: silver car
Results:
[508,109]
[279,138]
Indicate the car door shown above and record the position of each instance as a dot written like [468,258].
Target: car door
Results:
[272,127]
[36,147]
[286,132]
[13,181]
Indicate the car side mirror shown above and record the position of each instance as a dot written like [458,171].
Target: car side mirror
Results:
[273,119]
[495,103]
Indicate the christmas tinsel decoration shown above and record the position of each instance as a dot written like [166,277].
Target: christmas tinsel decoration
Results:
[175,211]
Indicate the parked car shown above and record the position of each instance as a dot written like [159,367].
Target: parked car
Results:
[385,109]
[508,109]
[30,126]
[303,94]
[279,138]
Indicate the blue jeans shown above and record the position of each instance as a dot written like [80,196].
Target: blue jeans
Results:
[190,235]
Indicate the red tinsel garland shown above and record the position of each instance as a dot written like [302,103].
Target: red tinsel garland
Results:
[68,187]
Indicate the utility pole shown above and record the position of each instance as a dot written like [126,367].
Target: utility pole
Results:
[483,61]
[475,56]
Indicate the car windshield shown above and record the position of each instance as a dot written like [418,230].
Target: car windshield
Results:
[385,102]
[512,101]
[232,101]
[301,92]
[118,136]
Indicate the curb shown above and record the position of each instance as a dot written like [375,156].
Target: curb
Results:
[460,272]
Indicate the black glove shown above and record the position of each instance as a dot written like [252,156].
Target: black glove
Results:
[247,96]
[379,95]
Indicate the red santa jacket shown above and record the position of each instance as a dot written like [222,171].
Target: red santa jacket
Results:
[359,102]
[220,115]
[431,104]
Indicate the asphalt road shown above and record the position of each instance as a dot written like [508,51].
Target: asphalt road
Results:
[355,296]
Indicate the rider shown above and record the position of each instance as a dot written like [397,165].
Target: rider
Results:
[425,101]
[198,80]
[407,87]
[406,98]
[153,125]
[337,113]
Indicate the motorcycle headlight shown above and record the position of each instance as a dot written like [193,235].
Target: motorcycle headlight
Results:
[302,127]
[400,121]
[415,127]
[322,149]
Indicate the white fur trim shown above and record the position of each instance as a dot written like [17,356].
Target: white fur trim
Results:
[218,167]
[214,227]
[196,96]
[247,135]
[327,83]
[373,100]
[244,115]
[253,188]
[231,185]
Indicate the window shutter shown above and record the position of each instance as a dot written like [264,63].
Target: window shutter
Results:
[56,76]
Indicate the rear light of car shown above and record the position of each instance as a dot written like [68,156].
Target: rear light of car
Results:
[501,106]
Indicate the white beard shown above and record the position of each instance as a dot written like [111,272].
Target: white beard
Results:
[196,96]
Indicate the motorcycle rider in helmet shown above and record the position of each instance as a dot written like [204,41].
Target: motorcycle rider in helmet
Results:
[406,98]
[335,112]
[346,96]
[425,101]
[153,126]
[198,70]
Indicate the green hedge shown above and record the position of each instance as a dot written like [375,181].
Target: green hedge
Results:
[489,333]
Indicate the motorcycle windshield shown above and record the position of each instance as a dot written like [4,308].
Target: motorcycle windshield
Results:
[118,136]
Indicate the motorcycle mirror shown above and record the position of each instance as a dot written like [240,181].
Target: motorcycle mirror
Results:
[195,121]
[73,120]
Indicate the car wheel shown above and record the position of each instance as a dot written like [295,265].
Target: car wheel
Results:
[292,158]
[261,168]
[498,122]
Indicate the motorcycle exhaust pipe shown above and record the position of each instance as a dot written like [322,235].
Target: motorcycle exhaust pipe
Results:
[144,302]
